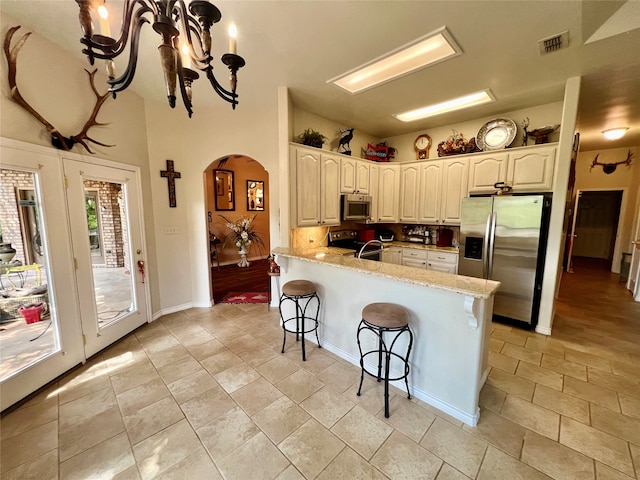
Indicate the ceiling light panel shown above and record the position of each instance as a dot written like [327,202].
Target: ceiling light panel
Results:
[467,101]
[426,51]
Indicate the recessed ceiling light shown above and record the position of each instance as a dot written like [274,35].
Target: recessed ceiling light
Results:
[428,50]
[471,100]
[614,133]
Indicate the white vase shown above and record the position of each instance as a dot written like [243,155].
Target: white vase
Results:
[243,258]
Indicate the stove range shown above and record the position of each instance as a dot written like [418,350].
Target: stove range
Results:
[349,239]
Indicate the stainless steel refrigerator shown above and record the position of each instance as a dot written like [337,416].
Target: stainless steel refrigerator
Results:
[504,238]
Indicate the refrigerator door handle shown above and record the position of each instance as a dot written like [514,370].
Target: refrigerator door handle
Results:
[492,240]
[485,248]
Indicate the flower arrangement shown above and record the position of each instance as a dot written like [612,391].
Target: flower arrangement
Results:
[242,234]
[456,144]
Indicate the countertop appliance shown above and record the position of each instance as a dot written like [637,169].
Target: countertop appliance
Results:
[504,238]
[385,235]
[356,207]
[349,239]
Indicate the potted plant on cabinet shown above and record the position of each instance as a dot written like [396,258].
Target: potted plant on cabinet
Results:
[312,138]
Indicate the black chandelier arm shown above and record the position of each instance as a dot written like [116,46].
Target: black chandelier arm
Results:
[226,95]
[122,82]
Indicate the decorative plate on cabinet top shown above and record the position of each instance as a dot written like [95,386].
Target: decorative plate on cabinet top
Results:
[496,134]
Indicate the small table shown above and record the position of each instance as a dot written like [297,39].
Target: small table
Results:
[25,269]
[277,276]
[7,266]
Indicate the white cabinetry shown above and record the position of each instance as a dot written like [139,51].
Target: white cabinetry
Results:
[314,187]
[414,257]
[442,261]
[487,170]
[430,192]
[392,255]
[354,175]
[388,193]
[409,192]
[454,189]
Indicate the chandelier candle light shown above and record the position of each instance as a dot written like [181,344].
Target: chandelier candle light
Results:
[185,47]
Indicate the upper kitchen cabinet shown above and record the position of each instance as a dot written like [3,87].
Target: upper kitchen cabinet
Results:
[354,175]
[388,193]
[409,192]
[315,191]
[455,174]
[430,192]
[487,170]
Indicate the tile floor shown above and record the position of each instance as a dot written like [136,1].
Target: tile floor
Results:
[206,394]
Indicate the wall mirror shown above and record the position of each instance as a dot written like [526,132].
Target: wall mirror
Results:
[224,190]
[255,195]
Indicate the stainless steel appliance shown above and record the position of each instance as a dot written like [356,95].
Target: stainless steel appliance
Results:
[368,250]
[504,238]
[356,207]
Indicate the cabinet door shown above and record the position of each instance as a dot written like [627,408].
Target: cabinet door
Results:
[362,176]
[409,188]
[329,191]
[412,262]
[348,173]
[532,170]
[454,189]
[487,170]
[388,193]
[307,185]
[395,255]
[429,196]
[442,267]
[374,175]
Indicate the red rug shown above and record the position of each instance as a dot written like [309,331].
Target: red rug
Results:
[246,297]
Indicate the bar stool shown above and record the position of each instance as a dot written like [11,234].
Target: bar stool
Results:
[381,319]
[303,294]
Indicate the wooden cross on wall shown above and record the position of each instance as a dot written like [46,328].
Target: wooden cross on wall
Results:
[171,176]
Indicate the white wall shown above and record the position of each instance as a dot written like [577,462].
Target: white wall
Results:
[56,86]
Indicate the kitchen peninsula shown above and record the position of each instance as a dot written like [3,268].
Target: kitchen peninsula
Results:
[450,316]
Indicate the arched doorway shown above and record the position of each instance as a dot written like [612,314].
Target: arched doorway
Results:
[237,188]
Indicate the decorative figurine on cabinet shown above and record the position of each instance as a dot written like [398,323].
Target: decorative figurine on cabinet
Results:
[345,138]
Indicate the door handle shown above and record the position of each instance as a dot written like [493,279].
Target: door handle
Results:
[492,246]
[141,269]
[485,248]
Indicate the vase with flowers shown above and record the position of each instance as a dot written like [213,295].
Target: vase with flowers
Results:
[242,235]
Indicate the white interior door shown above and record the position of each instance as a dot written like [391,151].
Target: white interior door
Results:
[572,234]
[33,354]
[112,296]
[633,283]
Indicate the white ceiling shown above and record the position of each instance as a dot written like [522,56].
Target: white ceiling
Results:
[302,44]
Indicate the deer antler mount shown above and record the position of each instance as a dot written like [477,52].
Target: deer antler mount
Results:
[57,139]
[611,167]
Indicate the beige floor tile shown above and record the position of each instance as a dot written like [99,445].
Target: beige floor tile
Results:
[112,456]
[540,420]
[26,447]
[311,448]
[291,473]
[151,419]
[130,473]
[491,398]
[256,396]
[203,408]
[630,405]
[84,380]
[635,454]
[158,341]
[499,432]
[592,393]
[511,384]
[447,472]
[90,432]
[278,368]
[188,387]
[503,362]
[245,343]
[299,385]
[170,355]
[604,472]
[495,344]
[521,353]
[141,396]
[512,336]
[555,460]
[565,367]
[43,467]
[499,465]
[229,332]
[562,403]
[27,417]
[179,369]
[400,458]
[257,458]
[220,361]
[226,433]
[439,413]
[348,464]
[166,448]
[206,349]
[371,396]
[134,375]
[362,431]
[545,345]
[622,426]
[455,446]
[86,407]
[318,362]
[194,335]
[196,466]
[257,357]
[540,375]
[408,417]
[625,368]
[327,406]
[340,375]
[587,359]
[280,419]
[236,377]
[599,445]
[614,382]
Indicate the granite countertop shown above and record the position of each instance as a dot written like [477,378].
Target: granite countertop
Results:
[340,258]
[420,246]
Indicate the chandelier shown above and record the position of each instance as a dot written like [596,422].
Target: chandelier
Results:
[185,47]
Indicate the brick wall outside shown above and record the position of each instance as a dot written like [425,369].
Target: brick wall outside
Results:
[10,181]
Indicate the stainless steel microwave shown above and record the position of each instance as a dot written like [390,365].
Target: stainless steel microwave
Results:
[356,207]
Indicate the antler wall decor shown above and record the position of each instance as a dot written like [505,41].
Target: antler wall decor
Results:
[57,139]
[611,167]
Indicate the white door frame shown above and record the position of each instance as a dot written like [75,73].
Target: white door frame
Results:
[633,282]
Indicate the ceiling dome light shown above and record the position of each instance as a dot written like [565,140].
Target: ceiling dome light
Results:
[614,133]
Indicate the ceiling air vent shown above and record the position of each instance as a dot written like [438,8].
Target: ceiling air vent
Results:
[554,43]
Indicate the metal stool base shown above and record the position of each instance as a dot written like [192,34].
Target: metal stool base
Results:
[301,316]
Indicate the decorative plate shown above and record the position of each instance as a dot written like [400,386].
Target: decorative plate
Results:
[496,134]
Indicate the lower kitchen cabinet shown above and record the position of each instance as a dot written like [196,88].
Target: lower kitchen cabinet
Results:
[442,261]
[413,257]
[392,255]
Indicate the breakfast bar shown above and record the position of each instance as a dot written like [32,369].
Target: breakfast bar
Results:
[450,316]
